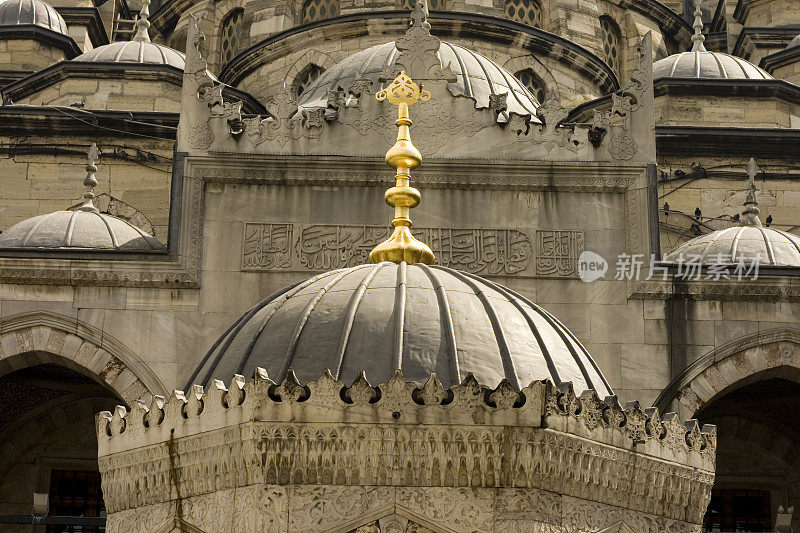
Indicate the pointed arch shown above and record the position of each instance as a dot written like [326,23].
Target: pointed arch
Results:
[42,337]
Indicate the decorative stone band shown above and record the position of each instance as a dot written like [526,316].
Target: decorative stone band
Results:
[399,434]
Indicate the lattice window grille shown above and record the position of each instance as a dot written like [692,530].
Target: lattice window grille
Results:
[531,82]
[306,78]
[231,35]
[526,11]
[319,9]
[610,35]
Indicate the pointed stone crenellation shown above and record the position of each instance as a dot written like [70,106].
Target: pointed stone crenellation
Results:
[400,434]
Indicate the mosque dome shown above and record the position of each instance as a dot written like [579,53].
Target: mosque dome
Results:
[707,65]
[699,63]
[135,52]
[84,228]
[138,50]
[745,243]
[418,318]
[31,12]
[477,77]
[77,229]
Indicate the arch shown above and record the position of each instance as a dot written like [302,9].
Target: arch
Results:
[525,11]
[311,57]
[528,62]
[319,9]
[43,337]
[769,353]
[230,39]
[115,207]
[533,83]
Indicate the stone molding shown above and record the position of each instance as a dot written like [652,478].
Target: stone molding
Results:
[731,363]
[771,288]
[43,337]
[400,435]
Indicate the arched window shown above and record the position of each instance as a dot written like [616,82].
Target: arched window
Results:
[178,40]
[231,35]
[533,83]
[306,78]
[525,11]
[432,4]
[611,38]
[319,9]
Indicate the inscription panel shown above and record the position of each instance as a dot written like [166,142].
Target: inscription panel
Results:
[491,252]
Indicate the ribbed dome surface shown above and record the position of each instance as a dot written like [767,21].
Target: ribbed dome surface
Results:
[77,229]
[794,42]
[773,247]
[707,65]
[477,77]
[135,52]
[417,318]
[36,12]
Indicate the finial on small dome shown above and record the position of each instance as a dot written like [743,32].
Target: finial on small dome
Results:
[90,181]
[401,245]
[750,214]
[698,39]
[142,24]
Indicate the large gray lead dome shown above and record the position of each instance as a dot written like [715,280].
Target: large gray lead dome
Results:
[417,318]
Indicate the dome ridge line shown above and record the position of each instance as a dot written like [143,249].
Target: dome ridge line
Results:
[70,228]
[446,321]
[516,302]
[33,229]
[399,312]
[307,310]
[497,328]
[352,309]
[768,245]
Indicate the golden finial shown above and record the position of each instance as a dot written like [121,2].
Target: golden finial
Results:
[401,245]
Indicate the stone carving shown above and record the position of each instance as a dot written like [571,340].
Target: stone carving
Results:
[418,50]
[286,122]
[557,252]
[355,453]
[616,122]
[548,130]
[325,247]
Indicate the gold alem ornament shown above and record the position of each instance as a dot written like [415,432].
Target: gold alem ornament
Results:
[401,246]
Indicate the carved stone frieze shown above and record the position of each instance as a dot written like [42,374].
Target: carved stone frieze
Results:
[435,450]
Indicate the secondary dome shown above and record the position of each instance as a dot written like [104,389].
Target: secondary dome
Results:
[135,52]
[417,318]
[77,229]
[707,65]
[31,12]
[747,242]
[477,77]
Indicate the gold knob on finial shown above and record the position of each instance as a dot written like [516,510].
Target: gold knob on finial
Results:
[404,157]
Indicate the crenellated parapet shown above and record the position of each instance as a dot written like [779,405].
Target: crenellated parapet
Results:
[400,434]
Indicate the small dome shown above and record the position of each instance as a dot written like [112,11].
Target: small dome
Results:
[77,229]
[35,12]
[477,77]
[707,65]
[135,52]
[772,247]
[794,42]
[417,318]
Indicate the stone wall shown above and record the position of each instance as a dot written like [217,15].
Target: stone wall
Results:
[721,111]
[27,55]
[771,13]
[110,94]
[789,72]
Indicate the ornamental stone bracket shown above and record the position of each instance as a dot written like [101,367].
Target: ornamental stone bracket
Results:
[332,457]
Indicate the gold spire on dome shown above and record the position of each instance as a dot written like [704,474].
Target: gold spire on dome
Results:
[698,39]
[90,182]
[142,24]
[403,156]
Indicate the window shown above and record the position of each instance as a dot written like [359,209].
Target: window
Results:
[432,4]
[525,11]
[231,35]
[319,9]
[532,82]
[75,493]
[178,40]
[610,33]
[306,78]
[738,510]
